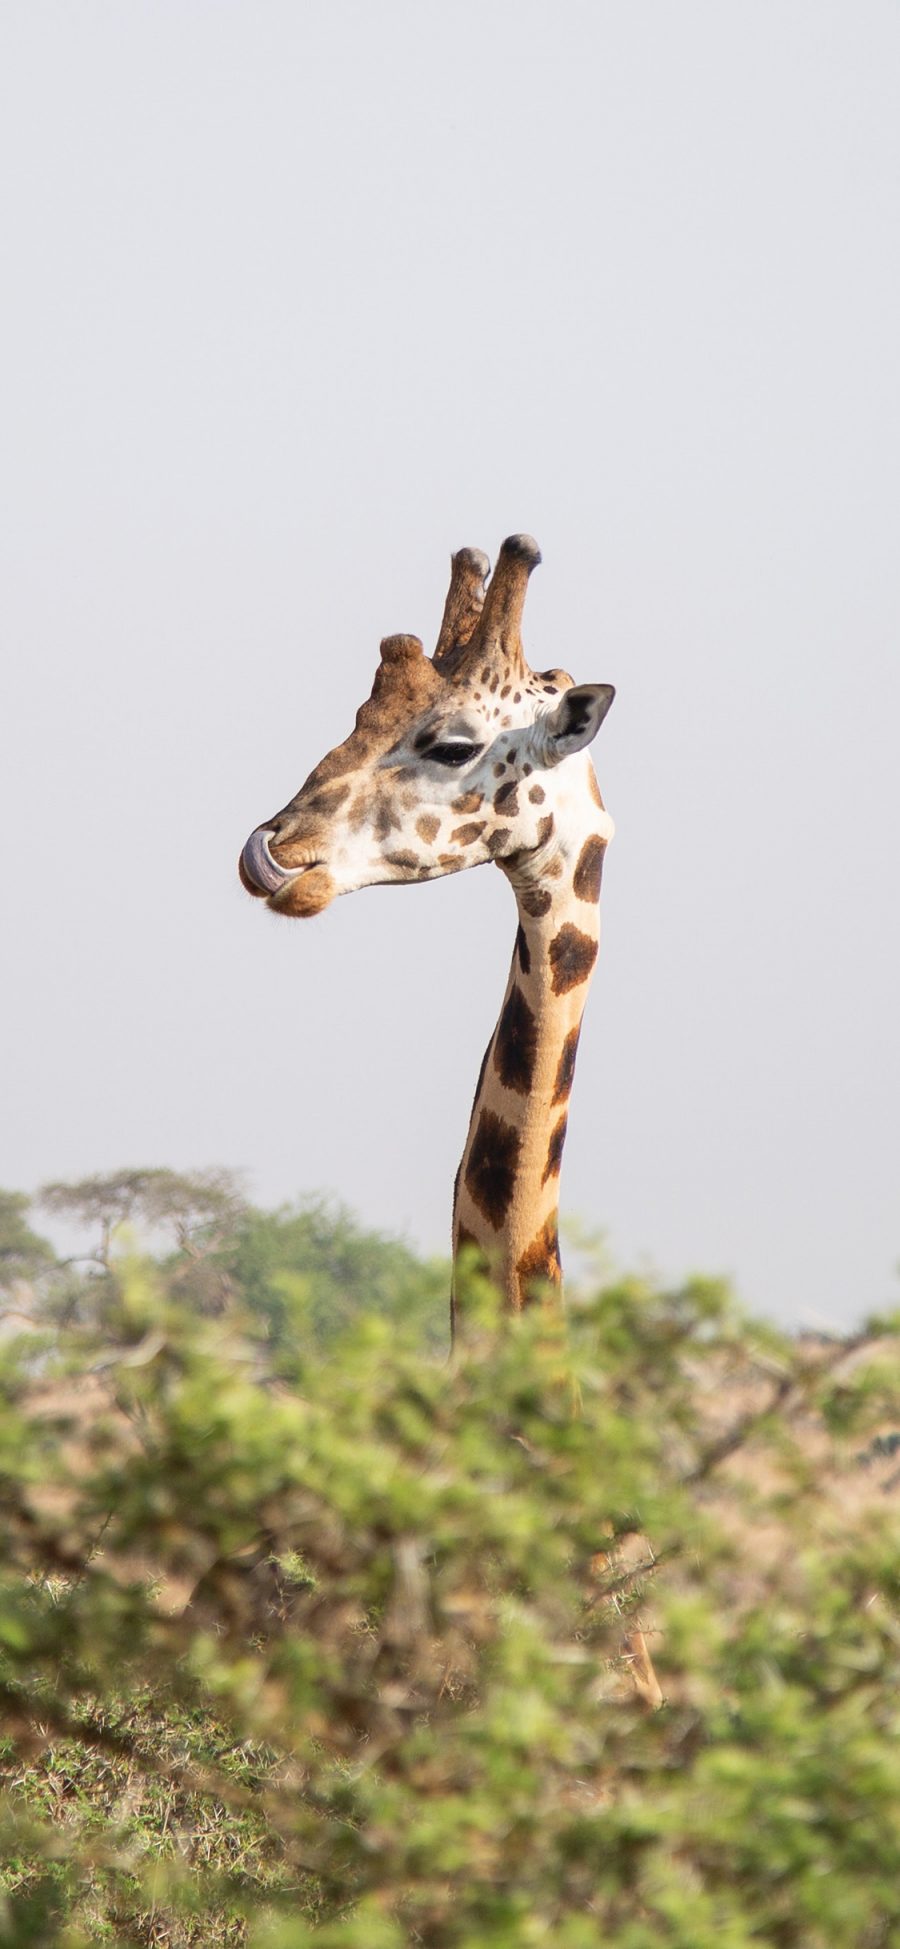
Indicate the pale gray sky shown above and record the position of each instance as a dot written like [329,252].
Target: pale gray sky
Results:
[297,299]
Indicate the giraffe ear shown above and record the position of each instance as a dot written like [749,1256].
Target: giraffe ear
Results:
[576,720]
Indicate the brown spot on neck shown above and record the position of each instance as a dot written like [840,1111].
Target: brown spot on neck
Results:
[572,956]
[492,1166]
[515,1045]
[566,1071]
[536,901]
[555,1150]
[589,871]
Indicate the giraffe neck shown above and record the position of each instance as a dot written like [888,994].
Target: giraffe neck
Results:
[507,1190]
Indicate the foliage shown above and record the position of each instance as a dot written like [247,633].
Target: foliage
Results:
[310,1259]
[336,1650]
[23,1253]
[317,1262]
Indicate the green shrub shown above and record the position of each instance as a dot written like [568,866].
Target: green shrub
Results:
[335,1648]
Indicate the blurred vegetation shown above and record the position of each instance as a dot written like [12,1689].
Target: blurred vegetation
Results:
[309,1634]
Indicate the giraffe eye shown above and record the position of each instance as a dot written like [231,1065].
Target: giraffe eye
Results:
[453,754]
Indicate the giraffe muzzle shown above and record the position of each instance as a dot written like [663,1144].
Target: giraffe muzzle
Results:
[260,873]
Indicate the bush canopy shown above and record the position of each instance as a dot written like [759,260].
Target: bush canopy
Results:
[312,1634]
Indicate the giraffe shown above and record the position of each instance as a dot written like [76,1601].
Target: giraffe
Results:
[456,761]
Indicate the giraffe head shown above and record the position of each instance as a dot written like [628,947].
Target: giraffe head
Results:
[454,760]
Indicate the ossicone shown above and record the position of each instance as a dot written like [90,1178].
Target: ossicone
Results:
[401,649]
[497,636]
[469,569]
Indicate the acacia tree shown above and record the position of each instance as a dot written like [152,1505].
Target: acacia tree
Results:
[197,1210]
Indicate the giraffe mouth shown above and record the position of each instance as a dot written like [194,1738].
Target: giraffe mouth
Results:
[259,872]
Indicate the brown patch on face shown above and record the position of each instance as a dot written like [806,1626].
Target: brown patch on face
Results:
[536,901]
[358,813]
[536,794]
[305,896]
[541,1261]
[408,862]
[467,802]
[450,862]
[498,840]
[566,1071]
[572,956]
[499,770]
[428,827]
[545,830]
[507,799]
[595,789]
[524,952]
[491,1170]
[464,835]
[515,1044]
[589,871]
[555,1150]
[386,820]
[327,801]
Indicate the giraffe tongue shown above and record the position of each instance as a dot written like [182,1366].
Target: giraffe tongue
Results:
[259,865]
